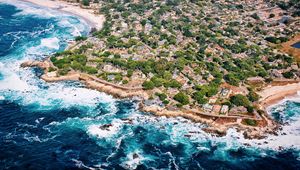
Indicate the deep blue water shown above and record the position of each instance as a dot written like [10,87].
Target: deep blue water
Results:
[296,45]
[60,125]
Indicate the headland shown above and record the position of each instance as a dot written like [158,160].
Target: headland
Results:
[229,82]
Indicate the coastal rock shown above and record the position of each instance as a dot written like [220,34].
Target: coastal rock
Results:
[217,132]
[135,156]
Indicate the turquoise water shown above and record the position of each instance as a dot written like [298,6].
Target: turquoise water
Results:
[66,126]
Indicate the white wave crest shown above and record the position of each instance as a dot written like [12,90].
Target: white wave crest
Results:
[105,131]
[30,9]
[11,81]
[52,43]
[133,159]
[280,105]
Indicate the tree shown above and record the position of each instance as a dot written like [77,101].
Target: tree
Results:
[271,15]
[231,79]
[211,90]
[148,85]
[90,70]
[173,84]
[255,16]
[80,38]
[182,98]
[240,100]
[86,2]
[162,96]
[251,122]
[200,97]
[288,74]
[143,22]
[252,96]
[129,73]
[167,75]
[158,82]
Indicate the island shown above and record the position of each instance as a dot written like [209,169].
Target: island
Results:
[222,63]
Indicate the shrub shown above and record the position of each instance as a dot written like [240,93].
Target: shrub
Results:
[51,69]
[158,82]
[90,70]
[250,109]
[165,102]
[162,96]
[288,74]
[63,71]
[251,122]
[231,79]
[240,100]
[182,98]
[173,84]
[200,98]
[53,59]
[255,16]
[80,38]
[148,85]
[86,2]
[271,15]
[252,96]
[129,73]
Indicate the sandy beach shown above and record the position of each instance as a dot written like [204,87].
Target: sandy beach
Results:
[95,20]
[274,94]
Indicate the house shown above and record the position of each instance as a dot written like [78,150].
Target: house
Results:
[110,77]
[156,102]
[224,109]
[225,92]
[212,100]
[238,110]
[276,73]
[208,107]
[112,69]
[216,108]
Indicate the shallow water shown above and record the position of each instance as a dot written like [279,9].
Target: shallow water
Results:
[60,125]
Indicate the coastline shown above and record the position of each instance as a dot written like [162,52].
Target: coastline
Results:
[272,95]
[88,15]
[219,124]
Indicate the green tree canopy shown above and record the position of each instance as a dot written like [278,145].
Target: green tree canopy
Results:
[182,98]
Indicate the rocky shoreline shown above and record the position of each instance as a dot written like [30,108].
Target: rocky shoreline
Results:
[217,124]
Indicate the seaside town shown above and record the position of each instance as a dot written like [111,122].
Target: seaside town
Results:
[220,62]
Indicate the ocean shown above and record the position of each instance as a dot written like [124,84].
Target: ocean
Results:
[66,126]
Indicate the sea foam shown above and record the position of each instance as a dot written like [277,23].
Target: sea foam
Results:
[30,9]
[52,43]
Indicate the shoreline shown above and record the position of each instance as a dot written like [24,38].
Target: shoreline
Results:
[93,20]
[218,124]
[273,95]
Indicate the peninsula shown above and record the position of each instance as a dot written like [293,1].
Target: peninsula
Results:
[217,62]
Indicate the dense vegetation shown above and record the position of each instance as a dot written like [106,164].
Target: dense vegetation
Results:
[190,48]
